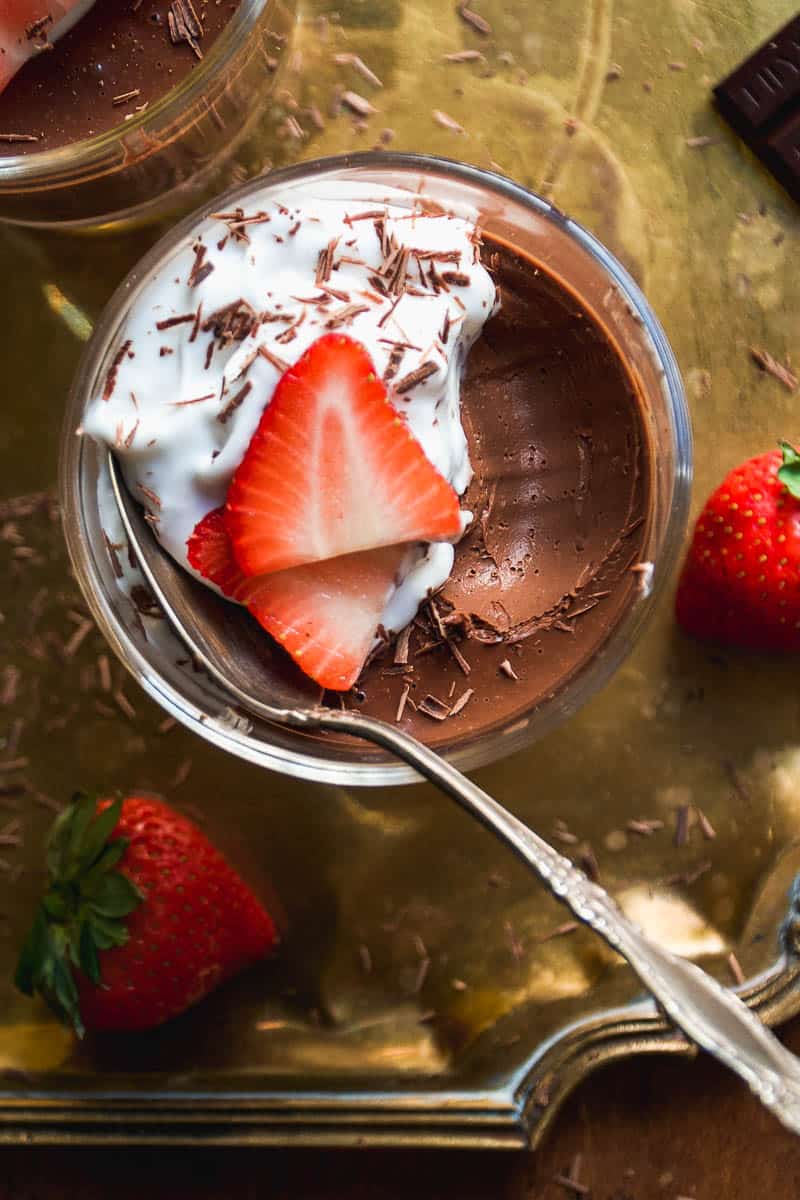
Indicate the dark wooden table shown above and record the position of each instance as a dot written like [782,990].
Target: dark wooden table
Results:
[659,1127]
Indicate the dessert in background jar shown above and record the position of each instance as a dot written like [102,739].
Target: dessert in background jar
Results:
[100,64]
[119,111]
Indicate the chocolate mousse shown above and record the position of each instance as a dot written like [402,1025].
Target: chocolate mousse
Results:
[122,55]
[560,492]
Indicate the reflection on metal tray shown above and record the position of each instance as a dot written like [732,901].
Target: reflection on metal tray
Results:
[428,992]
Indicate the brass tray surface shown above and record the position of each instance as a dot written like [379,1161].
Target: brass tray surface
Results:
[428,991]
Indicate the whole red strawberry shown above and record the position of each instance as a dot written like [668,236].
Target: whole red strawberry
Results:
[142,917]
[741,580]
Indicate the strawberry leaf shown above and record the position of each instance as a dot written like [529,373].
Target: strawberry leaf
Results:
[83,812]
[33,952]
[115,897]
[108,933]
[87,954]
[97,834]
[93,878]
[81,913]
[789,471]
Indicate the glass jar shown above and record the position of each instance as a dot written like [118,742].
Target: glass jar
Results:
[168,157]
[585,267]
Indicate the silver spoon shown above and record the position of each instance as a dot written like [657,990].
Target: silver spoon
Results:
[709,1014]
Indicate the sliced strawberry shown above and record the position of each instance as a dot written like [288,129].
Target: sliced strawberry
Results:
[324,614]
[332,469]
[209,552]
[28,26]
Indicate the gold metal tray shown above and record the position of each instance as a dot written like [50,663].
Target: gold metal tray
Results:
[428,992]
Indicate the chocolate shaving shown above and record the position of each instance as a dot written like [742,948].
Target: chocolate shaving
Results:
[682,825]
[15,764]
[564,835]
[403,701]
[462,56]
[571,1185]
[345,315]
[124,705]
[124,97]
[172,321]
[325,262]
[233,323]
[445,331]
[104,671]
[335,293]
[690,876]
[112,548]
[145,601]
[358,64]
[588,864]
[195,400]
[560,931]
[373,214]
[184,25]
[401,647]
[389,312]
[358,104]
[462,702]
[150,494]
[771,366]
[366,958]
[393,365]
[411,380]
[644,827]
[700,143]
[113,370]
[198,317]
[458,656]
[278,363]
[457,278]
[234,402]
[199,273]
[38,26]
[236,222]
[707,829]
[508,670]
[735,968]
[11,138]
[434,708]
[295,130]
[475,20]
[446,121]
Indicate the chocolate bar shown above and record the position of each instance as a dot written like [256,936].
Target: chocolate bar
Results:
[761,100]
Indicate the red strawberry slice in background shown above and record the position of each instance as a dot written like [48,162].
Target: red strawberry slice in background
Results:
[26,27]
[324,614]
[740,582]
[333,469]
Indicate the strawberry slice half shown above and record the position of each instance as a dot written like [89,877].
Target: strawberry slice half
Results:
[333,469]
[324,614]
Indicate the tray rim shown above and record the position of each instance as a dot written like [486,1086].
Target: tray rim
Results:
[515,1116]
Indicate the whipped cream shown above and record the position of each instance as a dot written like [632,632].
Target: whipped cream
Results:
[209,335]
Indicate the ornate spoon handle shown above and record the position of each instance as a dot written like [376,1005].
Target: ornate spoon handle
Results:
[712,1016]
